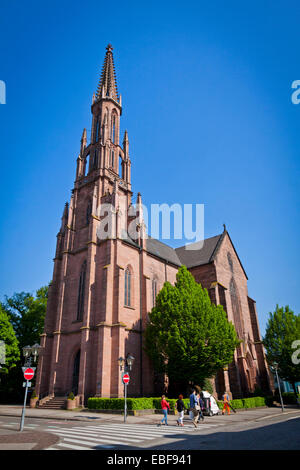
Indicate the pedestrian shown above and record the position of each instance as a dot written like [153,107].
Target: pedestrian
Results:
[225,398]
[165,407]
[201,408]
[180,408]
[194,407]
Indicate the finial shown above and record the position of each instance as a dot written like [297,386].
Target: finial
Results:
[109,48]
[224,227]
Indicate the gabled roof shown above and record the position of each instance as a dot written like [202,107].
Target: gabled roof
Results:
[189,257]
[196,257]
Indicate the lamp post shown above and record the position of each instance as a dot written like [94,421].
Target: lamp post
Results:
[28,352]
[275,366]
[127,364]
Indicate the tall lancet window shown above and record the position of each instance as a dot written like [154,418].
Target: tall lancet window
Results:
[96,159]
[127,300]
[112,158]
[88,212]
[154,292]
[81,289]
[113,129]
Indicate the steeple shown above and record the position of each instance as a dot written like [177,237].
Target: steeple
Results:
[108,84]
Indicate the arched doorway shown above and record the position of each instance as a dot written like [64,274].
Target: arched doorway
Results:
[75,377]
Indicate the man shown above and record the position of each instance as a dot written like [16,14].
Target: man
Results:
[193,407]
[226,399]
[201,404]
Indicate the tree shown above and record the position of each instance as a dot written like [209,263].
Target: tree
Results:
[187,336]
[27,315]
[281,338]
[9,352]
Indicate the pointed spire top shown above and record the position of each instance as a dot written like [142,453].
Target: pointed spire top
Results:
[108,83]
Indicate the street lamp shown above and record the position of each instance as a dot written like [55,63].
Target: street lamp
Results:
[127,364]
[28,351]
[129,361]
[275,366]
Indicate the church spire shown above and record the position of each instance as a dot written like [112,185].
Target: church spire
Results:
[108,83]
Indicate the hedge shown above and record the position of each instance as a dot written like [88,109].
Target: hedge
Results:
[288,398]
[95,403]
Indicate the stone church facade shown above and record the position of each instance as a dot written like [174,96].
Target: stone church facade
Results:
[103,289]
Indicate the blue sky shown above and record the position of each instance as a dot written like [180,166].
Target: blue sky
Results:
[206,90]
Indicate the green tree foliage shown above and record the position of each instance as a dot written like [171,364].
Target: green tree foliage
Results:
[9,354]
[283,329]
[187,336]
[27,315]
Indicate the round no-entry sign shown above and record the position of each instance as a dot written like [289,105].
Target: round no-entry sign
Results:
[28,374]
[126,378]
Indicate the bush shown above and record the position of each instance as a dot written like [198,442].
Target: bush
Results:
[289,398]
[237,404]
[260,401]
[249,402]
[34,395]
[71,396]
[95,403]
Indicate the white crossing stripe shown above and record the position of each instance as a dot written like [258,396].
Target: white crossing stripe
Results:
[92,443]
[149,428]
[94,436]
[69,446]
[106,435]
[122,431]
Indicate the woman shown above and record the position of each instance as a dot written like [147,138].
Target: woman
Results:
[165,407]
[180,408]
[201,407]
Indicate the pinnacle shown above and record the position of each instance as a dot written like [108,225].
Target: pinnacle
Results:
[108,83]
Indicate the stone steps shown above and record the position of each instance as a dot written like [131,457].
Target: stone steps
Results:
[55,403]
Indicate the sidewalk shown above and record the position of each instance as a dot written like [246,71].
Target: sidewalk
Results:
[86,415]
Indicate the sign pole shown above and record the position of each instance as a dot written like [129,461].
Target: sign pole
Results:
[23,411]
[125,403]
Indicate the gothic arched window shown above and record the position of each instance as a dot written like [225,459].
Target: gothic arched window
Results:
[96,159]
[127,300]
[113,128]
[97,128]
[81,289]
[112,158]
[154,291]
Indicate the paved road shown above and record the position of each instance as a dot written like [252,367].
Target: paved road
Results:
[255,429]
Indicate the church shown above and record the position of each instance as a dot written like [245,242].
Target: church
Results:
[103,289]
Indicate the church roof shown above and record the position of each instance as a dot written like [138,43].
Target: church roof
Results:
[196,257]
[182,256]
[157,248]
[108,82]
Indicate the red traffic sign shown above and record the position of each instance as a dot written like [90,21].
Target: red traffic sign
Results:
[126,378]
[28,374]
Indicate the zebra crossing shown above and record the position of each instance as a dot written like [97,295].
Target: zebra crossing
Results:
[110,436]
